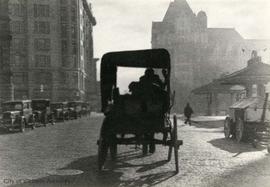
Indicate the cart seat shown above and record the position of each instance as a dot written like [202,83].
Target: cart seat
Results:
[138,106]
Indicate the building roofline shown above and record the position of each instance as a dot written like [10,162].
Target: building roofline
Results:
[258,40]
[87,8]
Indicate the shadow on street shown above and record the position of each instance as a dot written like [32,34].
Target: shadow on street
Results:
[207,124]
[232,146]
[255,173]
[109,177]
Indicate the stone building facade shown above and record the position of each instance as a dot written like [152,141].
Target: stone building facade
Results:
[51,50]
[198,54]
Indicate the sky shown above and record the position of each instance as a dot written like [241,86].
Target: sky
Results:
[126,24]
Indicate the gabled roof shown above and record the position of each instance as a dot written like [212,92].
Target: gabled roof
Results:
[213,87]
[177,9]
[253,73]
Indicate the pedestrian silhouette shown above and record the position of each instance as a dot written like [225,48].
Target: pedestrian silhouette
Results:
[188,112]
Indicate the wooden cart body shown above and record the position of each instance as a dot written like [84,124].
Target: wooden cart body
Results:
[249,120]
[126,114]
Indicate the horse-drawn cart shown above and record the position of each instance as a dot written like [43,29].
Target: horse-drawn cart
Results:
[134,119]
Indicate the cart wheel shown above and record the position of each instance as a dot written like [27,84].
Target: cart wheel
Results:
[52,121]
[22,128]
[170,153]
[175,143]
[171,145]
[103,146]
[239,130]
[145,149]
[227,128]
[33,125]
[45,121]
[113,151]
[102,153]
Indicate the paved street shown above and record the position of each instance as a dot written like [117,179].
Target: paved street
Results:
[65,155]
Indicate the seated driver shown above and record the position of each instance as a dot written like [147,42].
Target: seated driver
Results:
[152,88]
[150,78]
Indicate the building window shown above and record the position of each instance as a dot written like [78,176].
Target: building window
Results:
[43,61]
[64,30]
[63,77]
[74,47]
[20,78]
[74,61]
[42,27]
[18,27]
[18,60]
[73,14]
[73,32]
[42,44]
[41,10]
[65,61]
[64,46]
[63,2]
[20,94]
[43,78]
[74,79]
[17,9]
[63,14]
[18,44]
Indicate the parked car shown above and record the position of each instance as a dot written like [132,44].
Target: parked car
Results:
[60,111]
[41,109]
[75,109]
[17,115]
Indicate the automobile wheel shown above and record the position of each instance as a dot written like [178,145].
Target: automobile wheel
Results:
[45,121]
[33,124]
[113,151]
[22,128]
[52,121]
[103,148]
[145,149]
[175,142]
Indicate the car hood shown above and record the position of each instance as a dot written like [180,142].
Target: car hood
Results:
[11,112]
[8,114]
[58,109]
[37,111]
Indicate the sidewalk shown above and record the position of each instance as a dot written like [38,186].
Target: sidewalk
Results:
[205,121]
[208,118]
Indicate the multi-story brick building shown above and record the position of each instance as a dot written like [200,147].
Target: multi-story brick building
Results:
[51,51]
[5,39]
[199,54]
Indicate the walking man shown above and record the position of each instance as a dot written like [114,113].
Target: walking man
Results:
[187,112]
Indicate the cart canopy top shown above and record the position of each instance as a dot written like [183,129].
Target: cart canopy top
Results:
[149,58]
